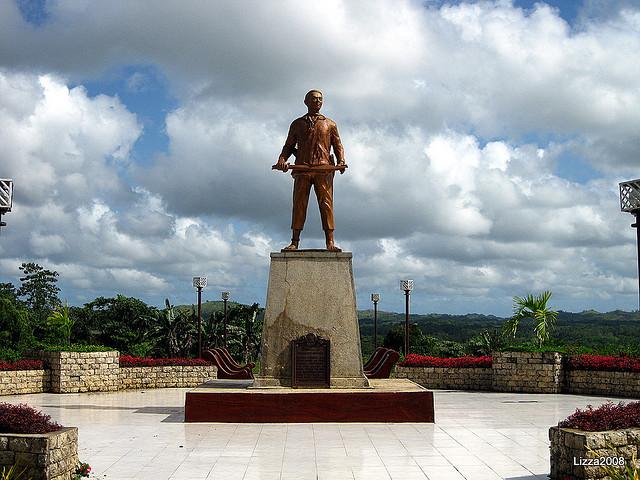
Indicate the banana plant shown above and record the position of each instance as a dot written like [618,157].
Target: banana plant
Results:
[62,320]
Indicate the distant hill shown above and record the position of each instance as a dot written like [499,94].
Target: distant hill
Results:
[448,327]
[588,328]
[208,307]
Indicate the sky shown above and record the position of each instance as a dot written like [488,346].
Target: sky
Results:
[485,142]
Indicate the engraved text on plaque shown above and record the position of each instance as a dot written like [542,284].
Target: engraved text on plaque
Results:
[310,362]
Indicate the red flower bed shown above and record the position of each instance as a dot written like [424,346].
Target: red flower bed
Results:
[599,362]
[606,417]
[413,360]
[22,365]
[25,419]
[129,361]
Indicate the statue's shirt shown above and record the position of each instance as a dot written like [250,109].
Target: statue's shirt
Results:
[311,138]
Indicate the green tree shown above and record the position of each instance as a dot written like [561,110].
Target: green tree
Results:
[486,342]
[15,327]
[120,322]
[212,330]
[533,307]
[62,321]
[40,292]
[8,290]
[175,331]
[394,338]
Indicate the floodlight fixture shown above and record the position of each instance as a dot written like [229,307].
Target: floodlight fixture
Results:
[630,203]
[199,283]
[630,196]
[225,299]
[406,286]
[6,198]
[375,298]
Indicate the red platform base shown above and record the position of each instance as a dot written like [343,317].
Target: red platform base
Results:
[390,400]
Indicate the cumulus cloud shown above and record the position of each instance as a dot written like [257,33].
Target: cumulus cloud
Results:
[454,118]
[75,212]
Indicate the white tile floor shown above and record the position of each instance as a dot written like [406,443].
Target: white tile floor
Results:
[140,435]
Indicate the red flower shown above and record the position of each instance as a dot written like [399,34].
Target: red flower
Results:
[22,365]
[129,361]
[606,417]
[600,362]
[414,360]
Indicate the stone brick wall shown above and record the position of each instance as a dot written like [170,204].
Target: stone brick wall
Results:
[568,446]
[46,456]
[15,382]
[511,372]
[165,377]
[532,372]
[593,382]
[72,372]
[83,371]
[447,378]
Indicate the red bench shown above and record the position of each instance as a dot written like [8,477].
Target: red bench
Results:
[381,363]
[228,368]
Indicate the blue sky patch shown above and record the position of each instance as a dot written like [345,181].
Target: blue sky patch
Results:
[144,90]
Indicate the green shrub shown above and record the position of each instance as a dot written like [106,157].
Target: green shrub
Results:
[534,347]
[140,350]
[9,355]
[12,473]
[74,347]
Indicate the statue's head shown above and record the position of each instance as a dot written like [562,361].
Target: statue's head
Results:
[313,100]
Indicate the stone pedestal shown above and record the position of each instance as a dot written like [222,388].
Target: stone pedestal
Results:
[311,292]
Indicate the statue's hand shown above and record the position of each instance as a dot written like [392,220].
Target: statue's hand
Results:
[342,164]
[282,164]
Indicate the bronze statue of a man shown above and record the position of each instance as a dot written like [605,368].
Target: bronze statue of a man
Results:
[310,139]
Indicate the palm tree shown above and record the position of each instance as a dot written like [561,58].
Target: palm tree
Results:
[62,320]
[535,308]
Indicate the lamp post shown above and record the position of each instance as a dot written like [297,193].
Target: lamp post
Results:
[375,298]
[406,286]
[630,202]
[225,299]
[6,198]
[199,283]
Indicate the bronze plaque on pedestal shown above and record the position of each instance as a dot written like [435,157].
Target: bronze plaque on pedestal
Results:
[310,362]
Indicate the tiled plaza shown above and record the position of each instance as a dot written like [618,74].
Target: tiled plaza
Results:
[140,435]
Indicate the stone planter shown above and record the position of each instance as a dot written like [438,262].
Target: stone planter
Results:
[576,454]
[42,456]
[527,372]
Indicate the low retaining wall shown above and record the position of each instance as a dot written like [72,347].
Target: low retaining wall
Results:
[165,377]
[585,455]
[531,372]
[15,382]
[594,382]
[73,372]
[44,456]
[447,378]
[511,372]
